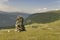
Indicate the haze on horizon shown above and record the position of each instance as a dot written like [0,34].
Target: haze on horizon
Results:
[29,6]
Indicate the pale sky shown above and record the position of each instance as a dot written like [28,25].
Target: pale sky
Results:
[29,6]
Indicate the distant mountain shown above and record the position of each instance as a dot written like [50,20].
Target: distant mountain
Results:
[9,18]
[42,18]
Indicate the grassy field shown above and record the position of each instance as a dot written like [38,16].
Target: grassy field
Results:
[32,33]
[44,26]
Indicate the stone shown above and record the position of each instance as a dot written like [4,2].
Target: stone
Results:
[19,24]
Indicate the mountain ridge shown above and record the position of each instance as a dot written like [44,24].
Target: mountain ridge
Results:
[44,17]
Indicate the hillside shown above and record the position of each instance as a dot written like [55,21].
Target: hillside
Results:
[9,18]
[30,34]
[41,26]
[43,18]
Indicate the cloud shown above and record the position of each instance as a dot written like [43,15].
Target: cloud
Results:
[56,9]
[3,1]
[40,10]
[4,7]
[44,8]
[7,8]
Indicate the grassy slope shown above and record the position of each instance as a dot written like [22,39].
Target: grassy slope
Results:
[31,34]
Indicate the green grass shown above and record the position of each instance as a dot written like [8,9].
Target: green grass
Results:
[40,33]
[44,26]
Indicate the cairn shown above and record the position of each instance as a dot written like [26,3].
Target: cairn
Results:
[19,24]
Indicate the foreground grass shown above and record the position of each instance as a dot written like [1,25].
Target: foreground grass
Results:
[40,33]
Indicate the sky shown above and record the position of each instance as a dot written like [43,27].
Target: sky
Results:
[29,6]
